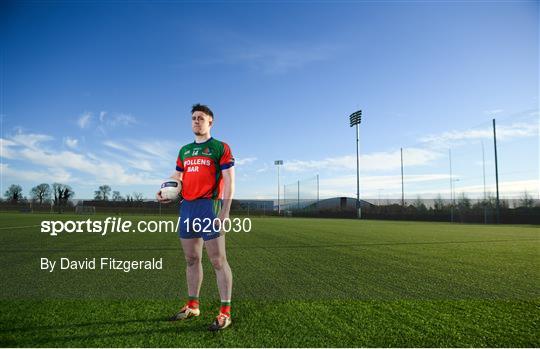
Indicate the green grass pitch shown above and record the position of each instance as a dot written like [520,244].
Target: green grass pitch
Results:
[297,283]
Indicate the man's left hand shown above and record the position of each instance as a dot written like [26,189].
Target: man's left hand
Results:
[221,216]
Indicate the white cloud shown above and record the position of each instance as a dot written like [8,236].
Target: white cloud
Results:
[30,140]
[144,155]
[93,156]
[106,120]
[157,149]
[368,162]
[428,185]
[268,57]
[504,132]
[144,165]
[347,184]
[244,161]
[279,59]
[389,187]
[116,146]
[121,119]
[493,111]
[84,119]
[507,188]
[5,148]
[40,176]
[29,147]
[262,169]
[71,142]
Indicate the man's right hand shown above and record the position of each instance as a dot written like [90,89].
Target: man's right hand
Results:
[161,199]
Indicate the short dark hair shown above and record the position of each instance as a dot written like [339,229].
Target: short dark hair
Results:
[201,107]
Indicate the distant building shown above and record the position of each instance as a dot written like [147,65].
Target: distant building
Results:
[253,205]
[343,203]
[337,203]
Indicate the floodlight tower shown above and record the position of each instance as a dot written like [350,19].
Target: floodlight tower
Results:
[278,163]
[496,172]
[355,119]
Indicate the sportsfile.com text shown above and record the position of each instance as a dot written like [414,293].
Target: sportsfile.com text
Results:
[120,225]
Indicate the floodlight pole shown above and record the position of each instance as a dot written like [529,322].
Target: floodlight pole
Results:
[451,187]
[278,203]
[402,187]
[484,174]
[285,197]
[454,189]
[358,206]
[496,171]
[278,163]
[317,189]
[298,194]
[355,120]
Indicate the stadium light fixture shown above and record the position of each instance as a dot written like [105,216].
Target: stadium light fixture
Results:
[355,119]
[278,163]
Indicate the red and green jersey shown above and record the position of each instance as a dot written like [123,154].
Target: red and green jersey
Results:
[202,164]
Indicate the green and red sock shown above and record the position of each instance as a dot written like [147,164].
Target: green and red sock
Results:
[193,302]
[225,307]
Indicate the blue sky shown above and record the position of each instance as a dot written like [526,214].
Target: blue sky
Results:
[99,93]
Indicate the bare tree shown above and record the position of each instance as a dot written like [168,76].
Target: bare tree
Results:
[138,196]
[116,196]
[102,193]
[419,204]
[464,203]
[41,192]
[526,200]
[62,193]
[14,193]
[438,204]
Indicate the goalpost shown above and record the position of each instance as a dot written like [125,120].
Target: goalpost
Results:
[87,210]
[301,195]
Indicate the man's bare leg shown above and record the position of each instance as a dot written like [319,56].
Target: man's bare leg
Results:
[216,253]
[194,275]
[194,271]
[218,257]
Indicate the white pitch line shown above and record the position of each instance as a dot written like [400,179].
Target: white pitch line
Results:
[26,226]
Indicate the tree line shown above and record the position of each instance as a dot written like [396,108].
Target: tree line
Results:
[59,194]
[464,203]
[104,193]
[463,209]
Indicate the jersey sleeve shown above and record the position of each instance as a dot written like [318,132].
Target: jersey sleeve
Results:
[227,160]
[180,162]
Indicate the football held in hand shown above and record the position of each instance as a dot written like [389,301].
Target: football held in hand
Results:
[170,189]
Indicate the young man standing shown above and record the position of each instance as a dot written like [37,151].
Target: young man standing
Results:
[206,170]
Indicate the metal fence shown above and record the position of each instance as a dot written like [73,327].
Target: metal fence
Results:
[462,210]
